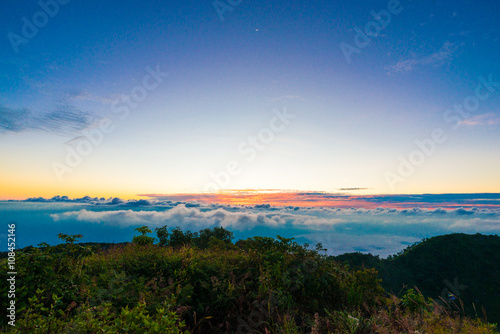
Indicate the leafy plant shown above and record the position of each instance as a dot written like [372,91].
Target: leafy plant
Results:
[203,283]
[143,239]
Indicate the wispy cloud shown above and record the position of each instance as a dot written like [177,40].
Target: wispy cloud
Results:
[444,54]
[483,119]
[472,225]
[15,120]
[63,119]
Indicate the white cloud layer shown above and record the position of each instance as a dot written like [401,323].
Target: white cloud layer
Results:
[382,231]
[180,215]
[245,218]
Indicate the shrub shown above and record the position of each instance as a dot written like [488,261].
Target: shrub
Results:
[143,239]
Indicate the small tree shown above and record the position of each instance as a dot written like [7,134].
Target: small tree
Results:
[178,238]
[69,239]
[319,248]
[143,239]
[219,233]
[74,250]
[163,236]
[415,301]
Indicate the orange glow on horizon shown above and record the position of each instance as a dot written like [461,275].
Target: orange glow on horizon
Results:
[273,197]
[245,197]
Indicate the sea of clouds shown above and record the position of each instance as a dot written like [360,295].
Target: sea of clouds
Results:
[382,231]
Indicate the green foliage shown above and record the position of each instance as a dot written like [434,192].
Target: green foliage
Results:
[143,230]
[467,266]
[272,246]
[102,319]
[359,260]
[143,239]
[69,238]
[365,289]
[415,301]
[217,233]
[179,239]
[203,239]
[346,322]
[163,235]
[203,283]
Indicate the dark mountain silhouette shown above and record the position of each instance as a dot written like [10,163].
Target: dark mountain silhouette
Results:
[465,266]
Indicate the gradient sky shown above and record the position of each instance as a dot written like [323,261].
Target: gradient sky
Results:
[354,118]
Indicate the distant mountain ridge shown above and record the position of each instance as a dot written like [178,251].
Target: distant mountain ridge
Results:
[465,266]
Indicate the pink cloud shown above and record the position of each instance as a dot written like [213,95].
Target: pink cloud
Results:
[483,119]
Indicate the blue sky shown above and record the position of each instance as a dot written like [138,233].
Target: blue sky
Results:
[221,82]
[346,111]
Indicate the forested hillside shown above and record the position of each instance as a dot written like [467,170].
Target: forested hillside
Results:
[465,266]
[202,282]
